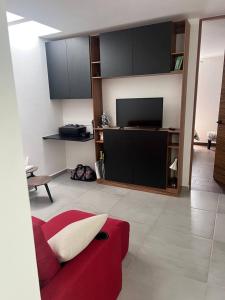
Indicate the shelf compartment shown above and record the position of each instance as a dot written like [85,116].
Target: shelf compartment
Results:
[174,146]
[177,53]
[98,129]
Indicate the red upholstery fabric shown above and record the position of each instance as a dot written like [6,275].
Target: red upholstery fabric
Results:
[60,221]
[95,274]
[47,262]
[37,221]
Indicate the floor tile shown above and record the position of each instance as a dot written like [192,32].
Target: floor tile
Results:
[221,206]
[142,282]
[98,201]
[215,293]
[139,208]
[188,220]
[177,252]
[204,200]
[220,228]
[217,265]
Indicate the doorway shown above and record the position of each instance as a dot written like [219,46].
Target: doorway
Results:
[207,150]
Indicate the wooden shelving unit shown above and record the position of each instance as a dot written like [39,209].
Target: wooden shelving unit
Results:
[176,137]
[96,91]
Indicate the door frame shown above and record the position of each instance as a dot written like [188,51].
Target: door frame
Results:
[196,87]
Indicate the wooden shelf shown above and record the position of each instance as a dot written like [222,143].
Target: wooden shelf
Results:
[173,191]
[99,142]
[96,62]
[63,138]
[173,146]
[97,77]
[98,129]
[177,53]
[176,72]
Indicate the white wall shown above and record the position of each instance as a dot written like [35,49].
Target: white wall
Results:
[79,111]
[18,271]
[208,99]
[190,99]
[39,115]
[166,86]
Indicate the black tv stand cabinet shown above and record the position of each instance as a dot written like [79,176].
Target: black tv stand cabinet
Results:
[136,156]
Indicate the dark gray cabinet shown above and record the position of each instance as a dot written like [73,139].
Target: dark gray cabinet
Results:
[116,53]
[136,156]
[137,51]
[57,69]
[69,68]
[152,49]
[79,67]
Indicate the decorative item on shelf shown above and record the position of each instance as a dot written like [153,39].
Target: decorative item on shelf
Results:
[99,166]
[105,120]
[178,62]
[173,179]
[101,137]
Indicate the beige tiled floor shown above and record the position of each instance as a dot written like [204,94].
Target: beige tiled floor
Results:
[177,245]
[202,170]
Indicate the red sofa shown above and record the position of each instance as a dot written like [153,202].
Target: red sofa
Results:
[96,273]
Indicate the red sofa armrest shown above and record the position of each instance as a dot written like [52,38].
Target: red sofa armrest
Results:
[57,223]
[37,221]
[94,274]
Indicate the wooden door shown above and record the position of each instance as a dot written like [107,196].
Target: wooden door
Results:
[219,165]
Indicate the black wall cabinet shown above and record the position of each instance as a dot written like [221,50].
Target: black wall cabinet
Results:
[152,49]
[57,69]
[69,68]
[116,53]
[137,51]
[136,156]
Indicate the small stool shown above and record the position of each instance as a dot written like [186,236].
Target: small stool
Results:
[35,181]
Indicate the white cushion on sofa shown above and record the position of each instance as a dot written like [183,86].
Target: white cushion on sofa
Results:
[75,237]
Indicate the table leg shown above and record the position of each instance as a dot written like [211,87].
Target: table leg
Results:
[209,144]
[48,191]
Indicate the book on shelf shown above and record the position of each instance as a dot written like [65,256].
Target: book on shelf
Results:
[178,62]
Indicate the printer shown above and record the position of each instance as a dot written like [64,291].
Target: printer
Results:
[72,130]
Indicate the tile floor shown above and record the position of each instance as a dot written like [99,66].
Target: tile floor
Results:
[202,170]
[177,245]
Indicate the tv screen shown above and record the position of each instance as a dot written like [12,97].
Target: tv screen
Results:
[143,112]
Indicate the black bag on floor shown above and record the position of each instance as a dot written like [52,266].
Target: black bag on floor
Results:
[83,173]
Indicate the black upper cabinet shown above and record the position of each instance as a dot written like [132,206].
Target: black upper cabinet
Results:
[116,53]
[57,69]
[69,68]
[79,67]
[137,51]
[152,49]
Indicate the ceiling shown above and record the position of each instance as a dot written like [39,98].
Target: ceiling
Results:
[213,38]
[80,16]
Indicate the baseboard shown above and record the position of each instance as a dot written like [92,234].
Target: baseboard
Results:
[203,144]
[54,175]
[200,143]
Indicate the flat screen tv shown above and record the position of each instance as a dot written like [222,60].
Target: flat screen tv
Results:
[139,112]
